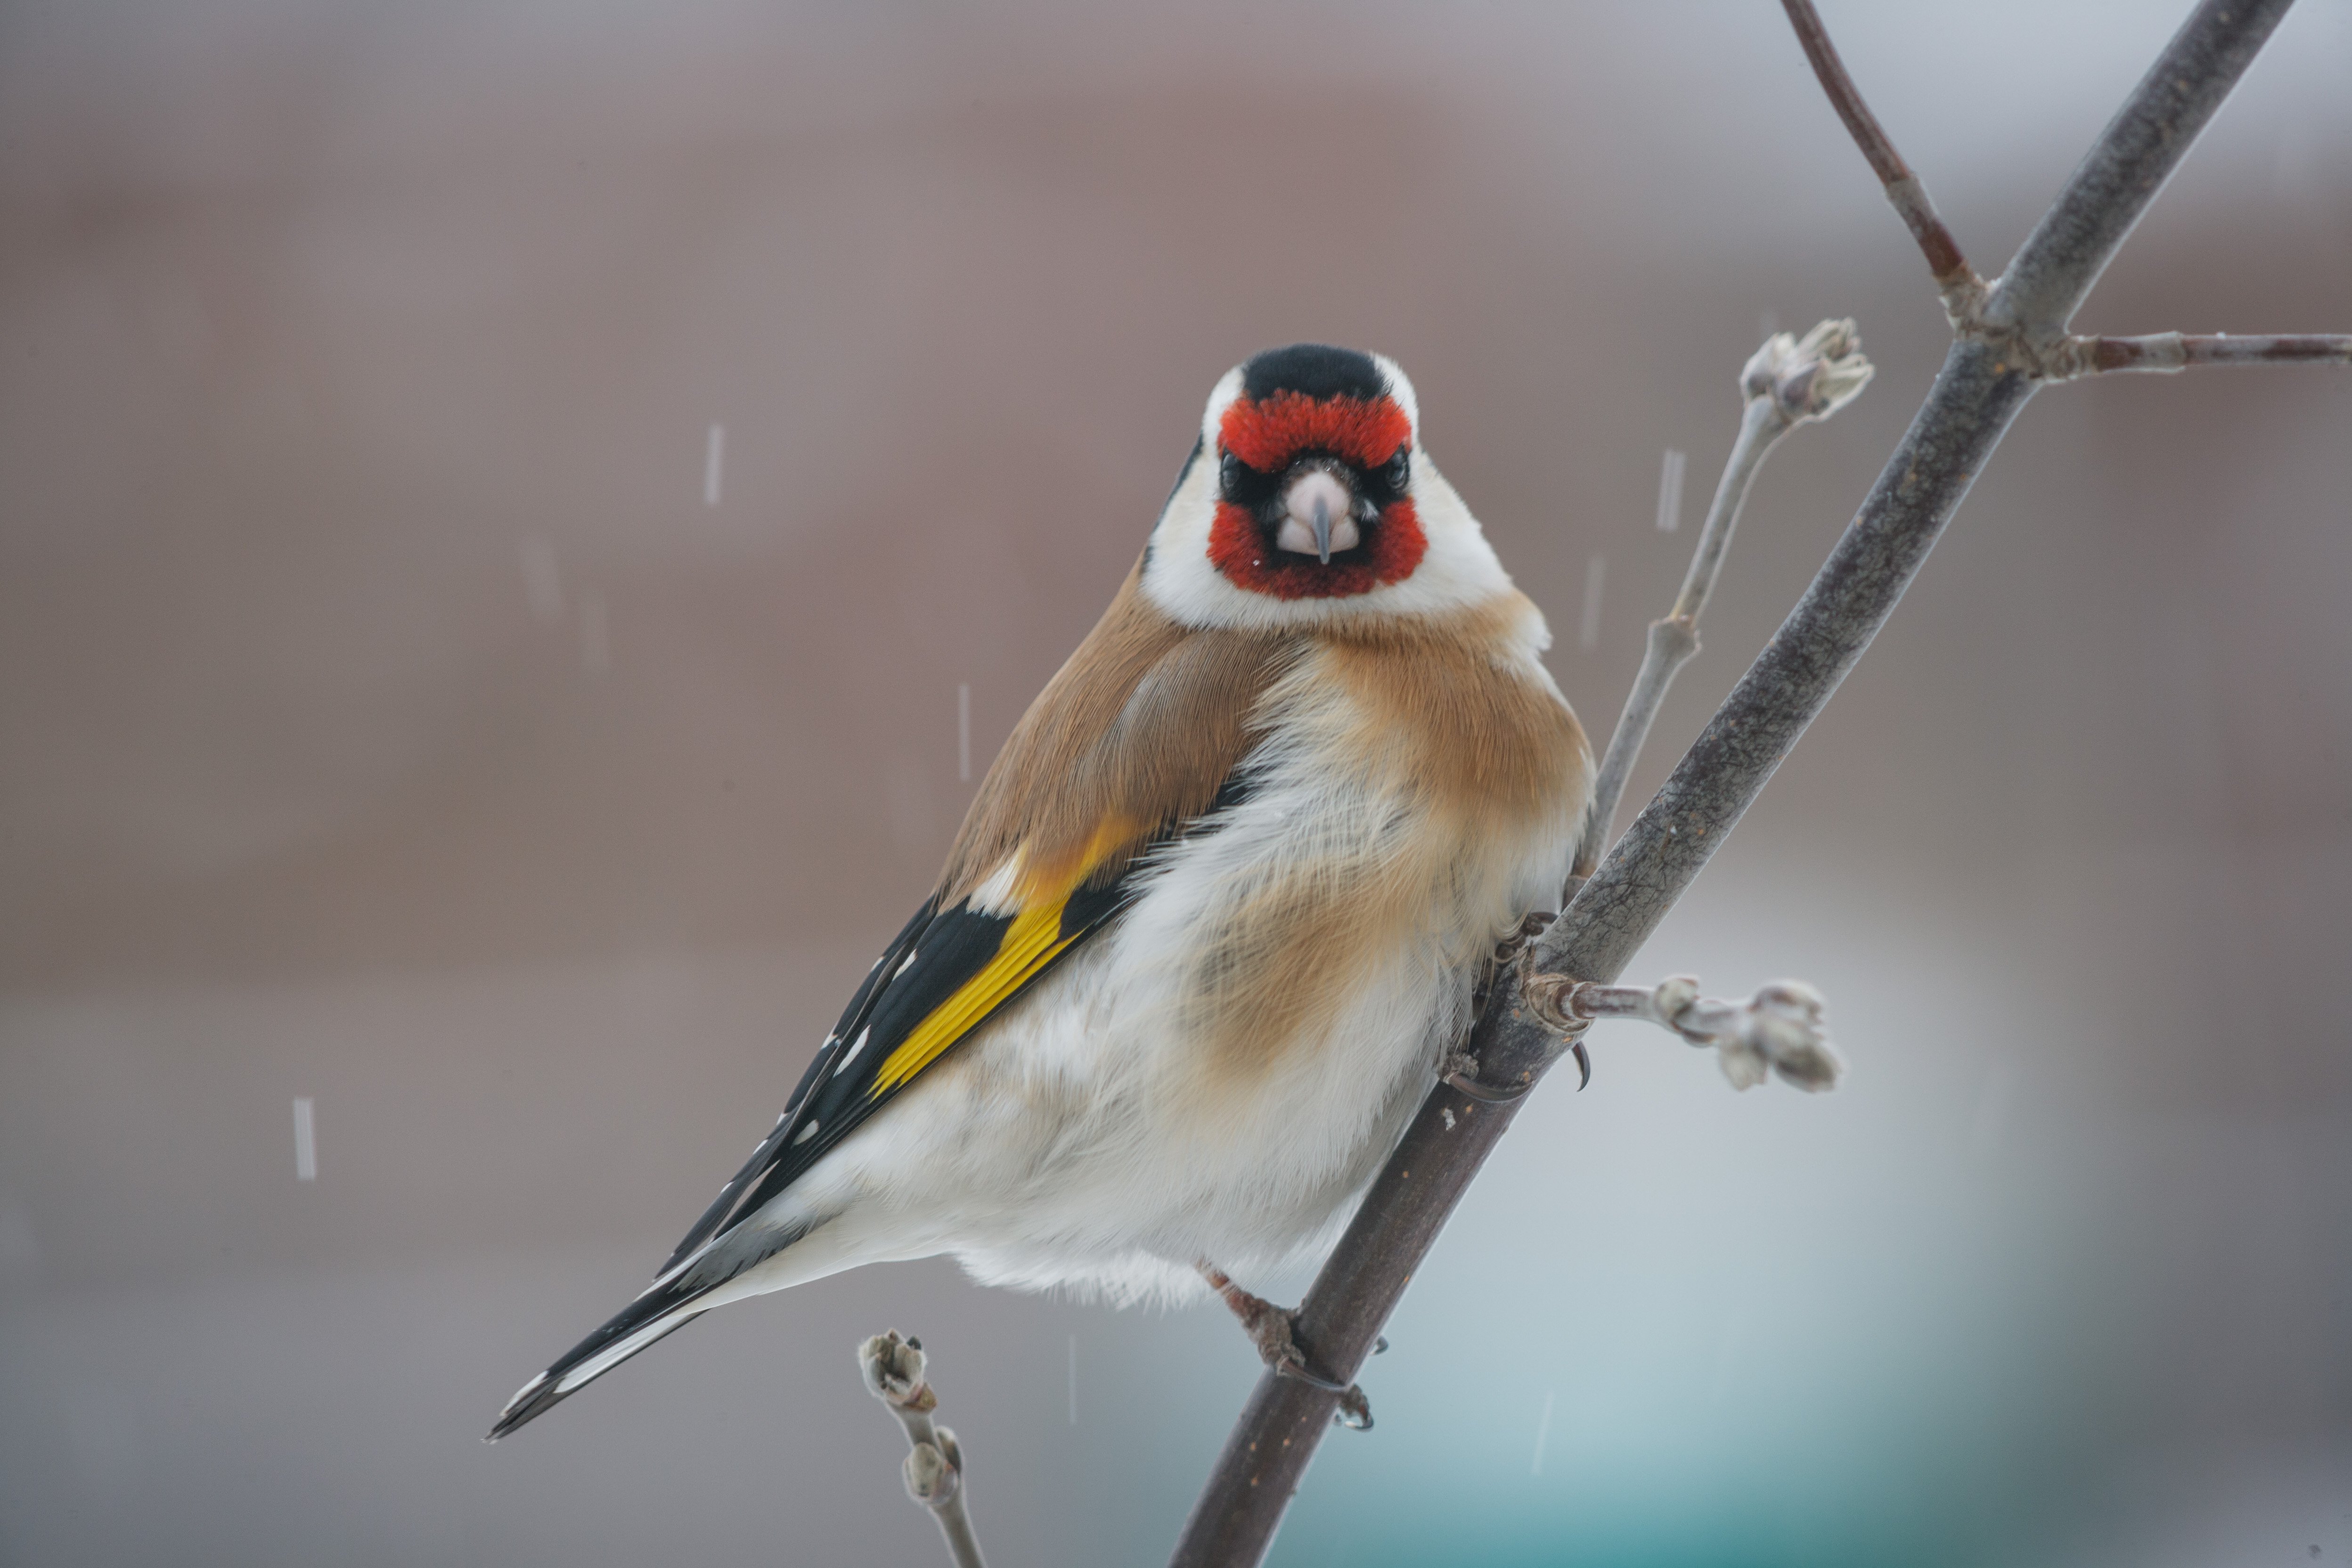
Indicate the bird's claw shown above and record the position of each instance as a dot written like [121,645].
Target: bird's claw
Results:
[1272,1329]
[1355,1412]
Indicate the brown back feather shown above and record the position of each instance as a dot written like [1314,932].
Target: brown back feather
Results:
[1132,735]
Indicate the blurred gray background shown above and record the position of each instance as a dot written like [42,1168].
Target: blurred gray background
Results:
[388,718]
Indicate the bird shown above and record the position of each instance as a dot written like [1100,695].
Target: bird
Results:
[1215,916]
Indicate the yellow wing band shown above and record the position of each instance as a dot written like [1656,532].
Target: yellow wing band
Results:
[1034,941]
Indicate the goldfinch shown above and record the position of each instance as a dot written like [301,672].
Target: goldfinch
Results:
[1215,915]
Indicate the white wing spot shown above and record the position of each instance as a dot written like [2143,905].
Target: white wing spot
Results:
[994,896]
[909,963]
[852,1051]
[804,1135]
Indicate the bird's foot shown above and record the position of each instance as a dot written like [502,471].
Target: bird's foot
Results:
[1273,1330]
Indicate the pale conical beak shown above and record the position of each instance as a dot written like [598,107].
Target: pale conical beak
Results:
[1318,517]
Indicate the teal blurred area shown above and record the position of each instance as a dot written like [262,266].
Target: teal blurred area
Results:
[409,706]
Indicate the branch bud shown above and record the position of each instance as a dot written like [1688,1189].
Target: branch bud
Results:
[1778,1030]
[1809,378]
[931,1475]
[893,1370]
[1787,1031]
[1743,1064]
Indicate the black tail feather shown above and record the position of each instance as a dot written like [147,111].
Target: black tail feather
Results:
[546,1391]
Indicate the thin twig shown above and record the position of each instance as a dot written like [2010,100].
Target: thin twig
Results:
[1975,397]
[2169,353]
[1784,384]
[1778,1029]
[893,1370]
[1954,277]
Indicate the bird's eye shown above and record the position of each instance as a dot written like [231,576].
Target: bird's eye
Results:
[1229,474]
[1398,472]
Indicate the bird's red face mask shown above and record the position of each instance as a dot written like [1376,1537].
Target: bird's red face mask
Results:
[1312,496]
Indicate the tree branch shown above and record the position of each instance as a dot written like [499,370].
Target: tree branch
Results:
[1954,279]
[2111,188]
[1784,384]
[893,1370]
[1976,395]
